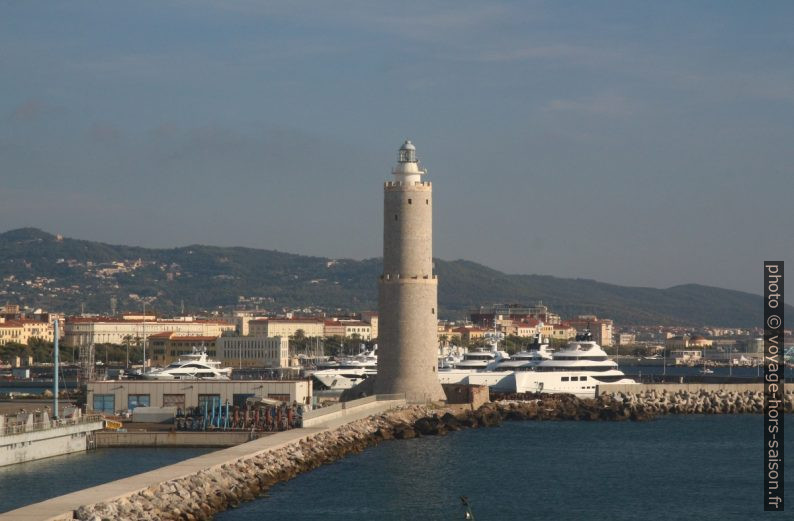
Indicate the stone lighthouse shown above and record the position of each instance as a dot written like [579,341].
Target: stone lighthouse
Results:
[408,290]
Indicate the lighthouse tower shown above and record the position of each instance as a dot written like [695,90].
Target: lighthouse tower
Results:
[408,291]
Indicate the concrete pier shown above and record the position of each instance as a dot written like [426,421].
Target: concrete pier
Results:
[63,507]
[37,440]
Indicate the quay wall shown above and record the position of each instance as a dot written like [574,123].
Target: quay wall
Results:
[173,439]
[44,443]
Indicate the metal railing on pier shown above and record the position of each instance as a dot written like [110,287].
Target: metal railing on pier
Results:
[20,428]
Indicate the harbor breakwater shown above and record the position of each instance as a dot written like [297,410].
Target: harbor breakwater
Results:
[201,495]
[723,401]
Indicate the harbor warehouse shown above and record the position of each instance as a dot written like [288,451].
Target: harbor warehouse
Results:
[113,396]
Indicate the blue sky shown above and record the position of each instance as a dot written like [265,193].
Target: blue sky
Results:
[640,143]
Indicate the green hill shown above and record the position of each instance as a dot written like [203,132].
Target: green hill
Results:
[41,270]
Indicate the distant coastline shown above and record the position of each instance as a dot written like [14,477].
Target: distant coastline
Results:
[72,275]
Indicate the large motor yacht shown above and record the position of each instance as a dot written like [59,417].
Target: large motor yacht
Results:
[193,366]
[576,369]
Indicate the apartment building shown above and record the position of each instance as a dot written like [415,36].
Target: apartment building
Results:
[83,331]
[287,327]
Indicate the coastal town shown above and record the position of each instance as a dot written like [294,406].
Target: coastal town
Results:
[302,338]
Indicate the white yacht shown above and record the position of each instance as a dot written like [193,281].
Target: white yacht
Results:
[477,367]
[576,369]
[348,372]
[193,366]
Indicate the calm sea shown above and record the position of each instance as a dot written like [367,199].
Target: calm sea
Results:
[686,372]
[677,467]
[35,481]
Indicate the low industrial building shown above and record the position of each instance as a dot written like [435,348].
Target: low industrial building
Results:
[115,396]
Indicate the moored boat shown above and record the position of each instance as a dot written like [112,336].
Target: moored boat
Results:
[194,366]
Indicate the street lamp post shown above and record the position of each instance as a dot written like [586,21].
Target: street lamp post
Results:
[144,337]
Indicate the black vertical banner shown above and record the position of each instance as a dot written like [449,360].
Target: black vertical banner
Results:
[774,395]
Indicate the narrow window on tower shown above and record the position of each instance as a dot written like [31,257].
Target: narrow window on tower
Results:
[409,201]
[395,217]
[433,311]
[427,201]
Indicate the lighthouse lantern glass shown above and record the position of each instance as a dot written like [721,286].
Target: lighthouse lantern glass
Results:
[407,155]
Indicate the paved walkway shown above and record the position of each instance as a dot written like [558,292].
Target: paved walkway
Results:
[61,508]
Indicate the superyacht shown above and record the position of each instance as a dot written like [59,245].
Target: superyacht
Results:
[193,366]
[576,369]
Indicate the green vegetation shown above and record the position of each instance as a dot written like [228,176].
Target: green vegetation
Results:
[39,349]
[208,278]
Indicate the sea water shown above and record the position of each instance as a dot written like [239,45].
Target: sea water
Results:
[674,467]
[34,481]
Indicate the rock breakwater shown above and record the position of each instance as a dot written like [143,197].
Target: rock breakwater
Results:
[723,401]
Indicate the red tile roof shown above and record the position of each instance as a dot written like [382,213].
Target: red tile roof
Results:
[148,321]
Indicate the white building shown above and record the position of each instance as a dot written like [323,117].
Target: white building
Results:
[84,331]
[287,327]
[251,351]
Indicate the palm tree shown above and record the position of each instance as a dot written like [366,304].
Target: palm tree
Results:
[127,339]
[298,341]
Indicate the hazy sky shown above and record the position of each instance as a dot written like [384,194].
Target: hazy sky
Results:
[640,143]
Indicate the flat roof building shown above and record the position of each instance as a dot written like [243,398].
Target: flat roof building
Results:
[248,351]
[115,396]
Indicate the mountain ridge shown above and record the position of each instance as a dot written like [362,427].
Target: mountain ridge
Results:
[44,270]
